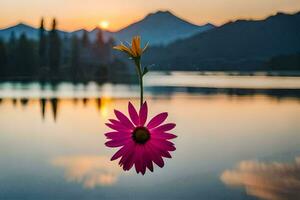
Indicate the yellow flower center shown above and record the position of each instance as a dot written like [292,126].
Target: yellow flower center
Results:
[141,135]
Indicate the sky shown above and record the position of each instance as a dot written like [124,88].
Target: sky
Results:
[116,14]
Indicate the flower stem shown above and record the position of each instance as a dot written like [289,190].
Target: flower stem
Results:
[140,75]
[142,91]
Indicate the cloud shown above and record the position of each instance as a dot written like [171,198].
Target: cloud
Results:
[268,181]
[91,171]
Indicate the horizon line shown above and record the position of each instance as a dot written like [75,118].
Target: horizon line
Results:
[140,19]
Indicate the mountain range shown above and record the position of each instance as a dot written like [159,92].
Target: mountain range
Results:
[179,45]
[159,28]
[237,45]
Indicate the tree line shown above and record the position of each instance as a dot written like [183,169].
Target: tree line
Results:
[55,56]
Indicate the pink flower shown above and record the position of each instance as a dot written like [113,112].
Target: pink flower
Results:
[141,144]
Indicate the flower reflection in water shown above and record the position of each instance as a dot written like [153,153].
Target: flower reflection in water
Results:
[91,171]
[268,181]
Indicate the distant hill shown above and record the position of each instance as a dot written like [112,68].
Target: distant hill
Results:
[31,32]
[238,45]
[18,29]
[158,28]
[92,34]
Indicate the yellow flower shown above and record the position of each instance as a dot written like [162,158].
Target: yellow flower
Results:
[134,49]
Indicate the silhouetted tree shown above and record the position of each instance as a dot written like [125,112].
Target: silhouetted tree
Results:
[25,57]
[75,56]
[12,39]
[101,48]
[3,58]
[54,49]
[110,44]
[42,45]
[99,39]
[11,55]
[65,50]
[81,59]
[85,41]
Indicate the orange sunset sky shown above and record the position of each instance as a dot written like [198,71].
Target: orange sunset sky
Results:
[116,14]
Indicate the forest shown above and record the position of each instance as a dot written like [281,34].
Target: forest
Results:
[56,58]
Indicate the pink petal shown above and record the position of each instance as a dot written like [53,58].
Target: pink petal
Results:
[167,145]
[157,120]
[130,161]
[117,127]
[111,134]
[113,121]
[150,165]
[148,158]
[119,153]
[118,123]
[165,127]
[133,114]
[161,150]
[140,164]
[166,154]
[123,119]
[117,142]
[138,158]
[163,135]
[143,114]
[155,156]
[158,160]
[127,155]
[144,159]
[116,135]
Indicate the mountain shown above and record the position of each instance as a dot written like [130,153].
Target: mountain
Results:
[18,29]
[31,32]
[160,28]
[92,34]
[238,45]
[168,28]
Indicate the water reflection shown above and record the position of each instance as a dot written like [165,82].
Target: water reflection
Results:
[56,150]
[167,92]
[14,101]
[54,103]
[161,84]
[24,101]
[90,171]
[272,93]
[44,155]
[269,181]
[43,106]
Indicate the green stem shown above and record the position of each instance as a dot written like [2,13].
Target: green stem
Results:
[140,75]
[142,91]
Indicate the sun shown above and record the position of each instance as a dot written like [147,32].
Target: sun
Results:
[104,24]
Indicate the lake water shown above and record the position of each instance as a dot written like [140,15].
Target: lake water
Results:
[238,138]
